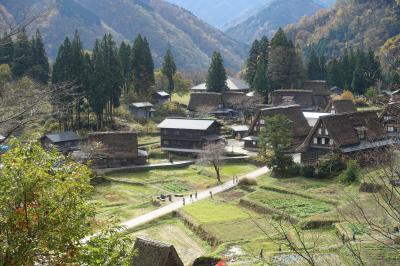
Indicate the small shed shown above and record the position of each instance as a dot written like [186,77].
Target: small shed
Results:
[142,110]
[65,142]
[154,253]
[160,97]
[239,131]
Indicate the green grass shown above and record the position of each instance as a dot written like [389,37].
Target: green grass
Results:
[212,211]
[293,205]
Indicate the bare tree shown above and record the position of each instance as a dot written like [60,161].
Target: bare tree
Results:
[213,155]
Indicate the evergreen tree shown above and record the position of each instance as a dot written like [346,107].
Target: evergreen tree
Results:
[252,61]
[124,54]
[169,70]
[6,50]
[216,78]
[261,82]
[313,68]
[40,63]
[285,65]
[334,73]
[22,61]
[98,93]
[77,75]
[143,67]
[263,56]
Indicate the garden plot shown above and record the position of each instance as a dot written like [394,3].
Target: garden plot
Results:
[122,201]
[293,205]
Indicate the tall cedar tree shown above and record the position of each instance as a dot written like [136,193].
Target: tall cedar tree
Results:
[40,63]
[285,65]
[216,78]
[169,70]
[142,68]
[124,54]
[252,61]
[78,72]
[22,61]
[261,82]
[6,50]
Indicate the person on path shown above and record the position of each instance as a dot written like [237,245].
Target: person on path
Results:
[195,195]
[183,201]
[262,254]
[210,193]
[233,179]
[237,179]
[191,198]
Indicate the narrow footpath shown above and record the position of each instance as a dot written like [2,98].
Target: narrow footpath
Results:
[140,220]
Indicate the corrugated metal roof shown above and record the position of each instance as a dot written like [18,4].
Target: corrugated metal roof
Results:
[142,104]
[182,123]
[162,93]
[240,128]
[63,136]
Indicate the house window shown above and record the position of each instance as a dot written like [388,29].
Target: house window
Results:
[254,143]
[262,122]
[323,141]
[361,134]
[320,131]
[326,132]
[390,129]
[315,140]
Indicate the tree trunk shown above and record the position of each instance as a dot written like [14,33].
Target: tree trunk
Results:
[217,171]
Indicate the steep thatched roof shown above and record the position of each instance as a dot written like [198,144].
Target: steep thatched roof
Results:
[392,111]
[342,128]
[318,87]
[290,97]
[204,101]
[153,253]
[340,106]
[293,113]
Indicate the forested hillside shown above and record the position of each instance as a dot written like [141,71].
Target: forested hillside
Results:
[360,24]
[165,26]
[267,21]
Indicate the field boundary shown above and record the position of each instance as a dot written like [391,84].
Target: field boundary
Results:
[254,206]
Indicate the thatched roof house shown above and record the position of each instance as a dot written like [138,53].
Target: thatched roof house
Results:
[390,117]
[318,87]
[290,97]
[340,106]
[234,84]
[395,97]
[300,125]
[204,101]
[348,132]
[154,253]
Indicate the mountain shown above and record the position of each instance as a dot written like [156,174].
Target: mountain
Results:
[220,13]
[364,24]
[279,13]
[165,25]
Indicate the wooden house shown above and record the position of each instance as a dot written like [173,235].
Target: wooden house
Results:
[154,253]
[65,142]
[340,106]
[320,93]
[160,97]
[300,125]
[234,84]
[390,118]
[142,110]
[349,133]
[115,149]
[239,131]
[188,135]
[227,105]
[303,98]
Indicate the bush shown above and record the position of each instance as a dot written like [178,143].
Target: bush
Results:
[308,171]
[351,174]
[294,170]
[248,182]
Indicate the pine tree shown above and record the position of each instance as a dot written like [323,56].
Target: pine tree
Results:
[216,78]
[22,61]
[148,68]
[252,61]
[261,82]
[334,73]
[263,54]
[6,50]
[169,70]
